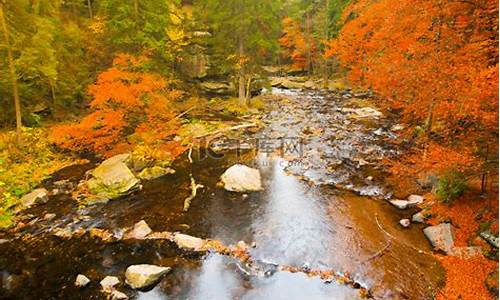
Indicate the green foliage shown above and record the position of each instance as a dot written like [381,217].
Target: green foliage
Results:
[451,186]
[254,23]
[23,168]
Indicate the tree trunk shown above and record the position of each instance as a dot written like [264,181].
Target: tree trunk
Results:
[248,91]
[325,64]
[241,85]
[136,9]
[12,72]
[89,4]
[308,44]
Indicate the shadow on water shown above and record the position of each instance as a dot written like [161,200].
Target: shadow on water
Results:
[292,222]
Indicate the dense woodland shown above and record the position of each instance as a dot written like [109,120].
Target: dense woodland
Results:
[104,77]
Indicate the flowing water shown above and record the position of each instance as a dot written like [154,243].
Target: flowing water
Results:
[318,210]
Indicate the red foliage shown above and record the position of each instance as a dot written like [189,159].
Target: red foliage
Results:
[130,107]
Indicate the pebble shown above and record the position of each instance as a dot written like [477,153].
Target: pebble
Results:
[81,280]
[405,223]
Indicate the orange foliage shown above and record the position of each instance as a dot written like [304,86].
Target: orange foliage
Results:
[426,55]
[436,62]
[294,43]
[465,278]
[466,214]
[130,107]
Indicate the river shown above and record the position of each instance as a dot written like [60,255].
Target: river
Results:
[323,207]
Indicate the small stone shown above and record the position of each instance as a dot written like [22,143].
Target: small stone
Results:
[414,200]
[81,280]
[37,196]
[64,233]
[253,245]
[103,234]
[49,216]
[109,282]
[117,295]
[140,231]
[490,238]
[418,218]
[144,276]
[401,204]
[369,178]
[397,127]
[188,242]
[405,223]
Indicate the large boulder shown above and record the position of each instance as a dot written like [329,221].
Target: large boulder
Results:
[440,236]
[112,178]
[37,196]
[144,276]
[240,178]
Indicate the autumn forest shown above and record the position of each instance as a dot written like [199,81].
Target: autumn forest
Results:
[249,149]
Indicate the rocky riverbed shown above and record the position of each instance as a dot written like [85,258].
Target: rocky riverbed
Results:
[322,206]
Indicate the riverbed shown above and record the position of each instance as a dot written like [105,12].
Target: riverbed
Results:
[324,206]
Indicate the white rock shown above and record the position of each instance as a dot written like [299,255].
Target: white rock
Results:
[397,127]
[240,178]
[490,238]
[81,280]
[113,176]
[418,218]
[369,178]
[144,276]
[405,223]
[414,200]
[401,204]
[366,112]
[109,282]
[188,242]
[117,295]
[37,196]
[140,231]
[440,236]
[49,216]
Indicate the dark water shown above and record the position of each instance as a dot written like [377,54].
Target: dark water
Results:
[323,216]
